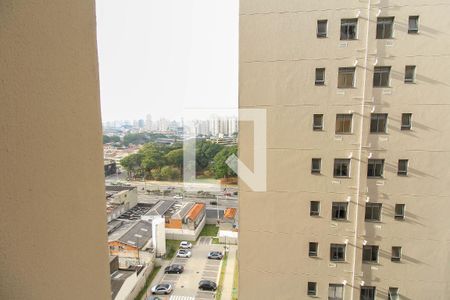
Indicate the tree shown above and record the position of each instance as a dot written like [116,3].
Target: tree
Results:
[170,173]
[219,166]
[175,158]
[132,163]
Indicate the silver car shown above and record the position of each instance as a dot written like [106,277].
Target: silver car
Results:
[162,289]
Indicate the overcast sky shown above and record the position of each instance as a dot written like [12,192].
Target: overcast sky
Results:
[161,56]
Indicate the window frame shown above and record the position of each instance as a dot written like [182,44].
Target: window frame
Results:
[343,72]
[318,81]
[340,162]
[314,213]
[335,288]
[412,30]
[312,288]
[312,253]
[315,126]
[347,35]
[371,207]
[338,249]
[398,216]
[398,250]
[402,163]
[344,121]
[374,254]
[404,126]
[375,162]
[386,24]
[411,69]
[396,296]
[376,117]
[372,290]
[337,209]
[319,34]
[379,74]
[313,169]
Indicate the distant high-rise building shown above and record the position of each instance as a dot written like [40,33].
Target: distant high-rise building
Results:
[358,146]
[149,123]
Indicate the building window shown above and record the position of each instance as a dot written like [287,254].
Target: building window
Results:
[349,29]
[406,121]
[318,122]
[370,254]
[413,24]
[335,291]
[339,211]
[378,123]
[315,165]
[367,293]
[320,76]
[346,77]
[381,76]
[399,211]
[322,28]
[393,293]
[385,27]
[402,167]
[375,168]
[312,288]
[337,252]
[373,212]
[410,74]
[313,249]
[341,168]
[344,123]
[314,208]
[396,253]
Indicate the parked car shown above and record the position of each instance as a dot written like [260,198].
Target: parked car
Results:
[178,197]
[184,253]
[162,289]
[174,269]
[207,285]
[185,245]
[215,255]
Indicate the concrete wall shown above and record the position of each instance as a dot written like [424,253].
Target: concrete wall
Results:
[52,224]
[185,234]
[279,52]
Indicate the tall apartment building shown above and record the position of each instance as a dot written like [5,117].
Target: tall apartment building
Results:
[357,95]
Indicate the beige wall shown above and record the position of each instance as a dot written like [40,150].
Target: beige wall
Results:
[52,216]
[279,52]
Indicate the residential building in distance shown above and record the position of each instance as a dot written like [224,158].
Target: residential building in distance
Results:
[358,145]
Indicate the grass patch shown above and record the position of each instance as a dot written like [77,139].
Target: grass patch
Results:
[215,240]
[148,281]
[222,276]
[171,248]
[235,282]
[209,230]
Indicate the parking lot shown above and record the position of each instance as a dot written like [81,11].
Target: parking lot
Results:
[196,268]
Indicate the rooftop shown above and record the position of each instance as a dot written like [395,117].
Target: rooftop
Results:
[137,235]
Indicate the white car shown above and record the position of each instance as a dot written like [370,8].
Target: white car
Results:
[185,245]
[177,197]
[184,253]
[162,289]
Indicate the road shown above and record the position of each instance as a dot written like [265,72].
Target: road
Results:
[178,188]
[196,268]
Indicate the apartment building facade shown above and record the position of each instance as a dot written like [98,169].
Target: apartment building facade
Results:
[358,127]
